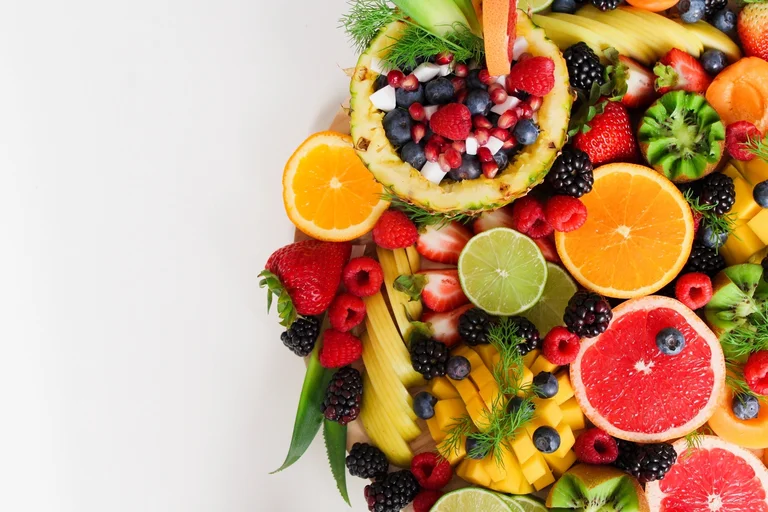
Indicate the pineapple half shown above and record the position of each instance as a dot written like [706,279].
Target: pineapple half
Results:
[526,170]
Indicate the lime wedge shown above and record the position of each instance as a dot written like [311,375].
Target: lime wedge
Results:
[502,271]
[530,504]
[470,499]
[511,503]
[548,312]
[535,5]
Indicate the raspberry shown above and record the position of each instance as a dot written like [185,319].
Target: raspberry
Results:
[431,471]
[339,349]
[595,446]
[694,289]
[565,213]
[425,499]
[536,76]
[561,346]
[362,276]
[346,312]
[696,220]
[736,135]
[394,230]
[528,217]
[756,372]
[453,121]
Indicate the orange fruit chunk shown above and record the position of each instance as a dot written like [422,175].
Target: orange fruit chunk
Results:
[328,192]
[740,93]
[751,434]
[496,15]
[637,236]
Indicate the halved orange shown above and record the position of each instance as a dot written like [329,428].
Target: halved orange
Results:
[328,192]
[637,236]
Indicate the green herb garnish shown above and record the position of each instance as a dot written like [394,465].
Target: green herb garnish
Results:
[422,217]
[758,147]
[719,223]
[365,19]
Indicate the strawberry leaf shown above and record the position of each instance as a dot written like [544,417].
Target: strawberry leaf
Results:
[616,75]
[274,287]
[411,285]
[589,108]
[666,76]
[335,436]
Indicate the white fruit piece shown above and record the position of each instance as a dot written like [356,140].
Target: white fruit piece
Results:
[426,71]
[433,172]
[510,102]
[429,111]
[519,47]
[471,145]
[385,98]
[494,145]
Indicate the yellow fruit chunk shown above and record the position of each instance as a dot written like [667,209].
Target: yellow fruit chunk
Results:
[478,413]
[414,258]
[542,365]
[442,388]
[745,206]
[472,471]
[397,299]
[560,465]
[434,429]
[474,359]
[453,455]
[547,479]
[526,381]
[759,226]
[535,467]
[513,480]
[547,413]
[572,415]
[404,266]
[711,37]
[564,389]
[447,412]
[481,376]
[567,439]
[522,446]
[466,389]
[381,430]
[742,244]
[755,171]
[530,357]
[487,353]
[491,395]
[494,471]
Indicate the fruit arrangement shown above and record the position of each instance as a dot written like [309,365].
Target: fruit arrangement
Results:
[530,261]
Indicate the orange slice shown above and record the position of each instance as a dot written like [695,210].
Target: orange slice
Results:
[328,192]
[637,236]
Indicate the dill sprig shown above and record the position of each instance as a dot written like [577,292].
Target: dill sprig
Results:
[457,434]
[365,19]
[502,427]
[422,217]
[758,147]
[719,223]
[694,439]
[416,43]
[749,337]
[508,372]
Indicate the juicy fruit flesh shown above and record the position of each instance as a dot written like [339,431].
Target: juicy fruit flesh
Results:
[747,433]
[740,93]
[636,387]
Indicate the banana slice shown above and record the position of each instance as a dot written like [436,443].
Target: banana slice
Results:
[566,34]
[710,37]
[627,24]
[661,24]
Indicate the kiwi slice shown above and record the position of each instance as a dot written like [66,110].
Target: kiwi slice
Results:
[682,136]
[587,488]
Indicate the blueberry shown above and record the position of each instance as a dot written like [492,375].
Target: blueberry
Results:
[478,101]
[414,155]
[745,407]
[439,91]
[670,341]
[714,61]
[515,403]
[405,99]
[566,6]
[502,160]
[473,80]
[471,448]
[691,11]
[380,82]
[424,405]
[760,193]
[546,439]
[458,368]
[707,236]
[470,169]
[526,132]
[545,385]
[725,21]
[397,126]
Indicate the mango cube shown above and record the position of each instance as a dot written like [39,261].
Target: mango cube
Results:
[759,225]
[481,376]
[560,465]
[526,381]
[472,471]
[486,353]
[478,413]
[564,389]
[447,412]
[530,357]
[534,468]
[442,388]
[547,412]
[513,480]
[522,446]
[492,469]
[542,365]
[474,359]
[547,479]
[467,390]
[453,455]
[745,206]
[490,394]
[435,431]
[741,245]
[567,440]
[754,171]
[572,415]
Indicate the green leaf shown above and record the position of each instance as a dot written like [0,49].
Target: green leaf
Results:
[284,303]
[308,415]
[335,436]
[411,285]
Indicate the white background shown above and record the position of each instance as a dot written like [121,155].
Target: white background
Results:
[141,150]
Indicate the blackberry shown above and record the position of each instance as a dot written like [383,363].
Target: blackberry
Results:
[588,314]
[646,462]
[474,326]
[717,190]
[584,66]
[343,396]
[712,6]
[764,264]
[525,329]
[606,5]
[366,461]
[301,336]
[704,259]
[571,174]
[393,493]
[429,357]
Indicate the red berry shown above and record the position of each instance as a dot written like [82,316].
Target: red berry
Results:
[395,78]
[394,230]
[346,312]
[480,121]
[418,131]
[510,143]
[417,111]
[694,289]
[460,146]
[444,58]
[500,133]
[490,169]
[756,372]
[431,471]
[362,276]
[535,103]
[524,111]
[425,499]
[453,158]
[561,346]
[485,77]
[498,94]
[737,135]
[339,349]
[441,142]
[459,84]
[696,220]
[482,135]
[461,95]
[411,83]
[461,70]
[484,154]
[432,151]
[565,213]
[595,446]
[528,216]
[536,76]
[453,121]
[508,119]
[442,160]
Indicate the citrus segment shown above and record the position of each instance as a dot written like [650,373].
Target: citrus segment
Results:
[327,191]
[637,236]
[632,390]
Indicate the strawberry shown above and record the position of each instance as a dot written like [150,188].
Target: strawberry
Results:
[443,244]
[536,76]
[453,121]
[394,230]
[445,326]
[678,70]
[305,277]
[439,290]
[610,137]
[548,249]
[633,82]
[752,26]
[501,218]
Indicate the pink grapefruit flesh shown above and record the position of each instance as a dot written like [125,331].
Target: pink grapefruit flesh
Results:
[629,388]
[716,476]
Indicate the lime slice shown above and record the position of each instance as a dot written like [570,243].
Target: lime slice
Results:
[511,503]
[548,312]
[529,504]
[470,499]
[502,271]
[535,5]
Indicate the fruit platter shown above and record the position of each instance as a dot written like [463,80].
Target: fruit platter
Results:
[531,260]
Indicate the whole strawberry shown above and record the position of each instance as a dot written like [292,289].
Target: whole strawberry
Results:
[609,137]
[305,277]
[753,29]
[453,121]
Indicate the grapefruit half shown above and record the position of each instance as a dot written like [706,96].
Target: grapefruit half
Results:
[629,388]
[715,476]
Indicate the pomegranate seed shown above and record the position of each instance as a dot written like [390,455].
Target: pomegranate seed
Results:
[395,78]
[453,158]
[485,77]
[444,58]
[442,160]
[459,145]
[490,169]
[484,154]
[461,70]
[480,121]
[458,84]
[500,133]
[417,111]
[535,102]
[524,56]
[508,119]
[524,111]
[482,135]
[411,83]
[498,94]
[432,151]
[461,96]
[438,139]
[510,143]
[418,131]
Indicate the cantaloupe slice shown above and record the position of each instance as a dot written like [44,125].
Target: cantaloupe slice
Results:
[496,18]
[740,93]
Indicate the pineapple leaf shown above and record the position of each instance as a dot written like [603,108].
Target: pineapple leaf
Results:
[335,436]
